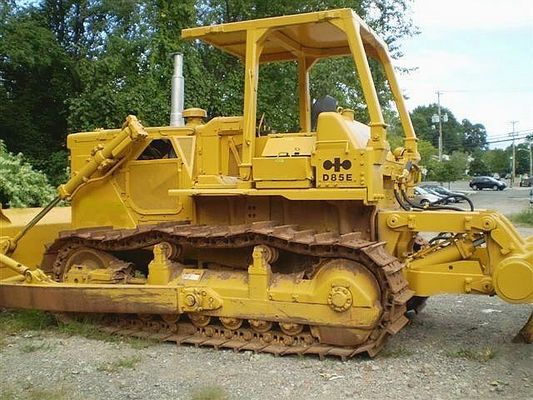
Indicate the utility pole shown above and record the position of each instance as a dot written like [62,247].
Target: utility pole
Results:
[529,140]
[530,161]
[513,134]
[440,119]
[440,124]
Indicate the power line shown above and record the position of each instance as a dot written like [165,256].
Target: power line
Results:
[509,133]
[507,90]
[507,140]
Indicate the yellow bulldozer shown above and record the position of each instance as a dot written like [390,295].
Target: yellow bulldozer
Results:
[221,234]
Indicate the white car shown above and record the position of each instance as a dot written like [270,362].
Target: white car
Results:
[424,198]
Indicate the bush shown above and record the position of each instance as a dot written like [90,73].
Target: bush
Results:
[20,184]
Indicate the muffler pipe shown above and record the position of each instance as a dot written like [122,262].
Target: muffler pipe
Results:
[177,96]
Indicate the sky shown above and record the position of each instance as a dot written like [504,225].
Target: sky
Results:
[479,53]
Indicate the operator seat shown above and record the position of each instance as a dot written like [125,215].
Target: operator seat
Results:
[322,104]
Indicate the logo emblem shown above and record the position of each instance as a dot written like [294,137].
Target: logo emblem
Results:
[336,164]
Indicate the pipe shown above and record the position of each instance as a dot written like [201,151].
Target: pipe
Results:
[13,265]
[177,95]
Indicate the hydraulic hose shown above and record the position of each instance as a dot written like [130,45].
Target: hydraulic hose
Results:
[432,206]
[404,195]
[470,203]
[400,202]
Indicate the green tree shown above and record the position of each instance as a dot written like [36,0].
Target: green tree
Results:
[460,162]
[452,132]
[71,65]
[522,158]
[448,170]
[478,167]
[427,152]
[34,86]
[475,136]
[441,171]
[498,161]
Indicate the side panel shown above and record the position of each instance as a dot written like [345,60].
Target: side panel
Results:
[148,183]
[136,191]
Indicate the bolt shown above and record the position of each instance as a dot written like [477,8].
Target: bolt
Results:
[190,300]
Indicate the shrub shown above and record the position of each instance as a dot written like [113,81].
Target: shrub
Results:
[20,184]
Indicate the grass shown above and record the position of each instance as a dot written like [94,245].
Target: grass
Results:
[16,322]
[524,217]
[85,328]
[209,393]
[117,365]
[483,355]
[13,322]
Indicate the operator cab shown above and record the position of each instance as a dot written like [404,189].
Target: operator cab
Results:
[331,149]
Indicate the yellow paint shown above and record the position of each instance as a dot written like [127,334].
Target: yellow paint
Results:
[502,264]
[31,247]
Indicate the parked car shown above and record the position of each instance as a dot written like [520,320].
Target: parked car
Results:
[424,198]
[442,191]
[486,182]
[526,182]
[439,195]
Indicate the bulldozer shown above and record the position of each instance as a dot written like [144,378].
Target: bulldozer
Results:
[217,233]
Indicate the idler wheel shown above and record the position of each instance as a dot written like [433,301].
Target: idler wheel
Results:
[155,326]
[199,320]
[260,326]
[144,317]
[290,328]
[231,323]
[270,254]
[170,318]
[172,251]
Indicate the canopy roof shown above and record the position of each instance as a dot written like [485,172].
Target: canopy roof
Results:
[316,35]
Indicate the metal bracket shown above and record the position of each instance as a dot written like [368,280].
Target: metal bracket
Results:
[196,299]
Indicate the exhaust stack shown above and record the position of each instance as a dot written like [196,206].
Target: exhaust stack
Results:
[177,97]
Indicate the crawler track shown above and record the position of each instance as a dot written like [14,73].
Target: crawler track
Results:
[386,269]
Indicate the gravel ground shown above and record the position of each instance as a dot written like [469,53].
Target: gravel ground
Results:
[458,347]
